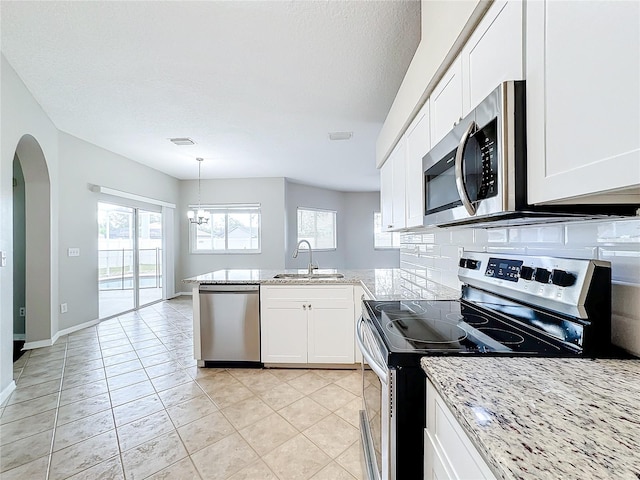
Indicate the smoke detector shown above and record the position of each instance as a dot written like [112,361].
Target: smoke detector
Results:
[182,141]
[340,135]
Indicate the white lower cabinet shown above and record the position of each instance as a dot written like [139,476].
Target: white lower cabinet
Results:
[307,324]
[448,452]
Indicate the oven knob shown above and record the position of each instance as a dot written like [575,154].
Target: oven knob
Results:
[526,273]
[542,275]
[562,278]
[472,264]
[462,263]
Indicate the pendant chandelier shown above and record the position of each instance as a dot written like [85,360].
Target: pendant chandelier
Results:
[198,216]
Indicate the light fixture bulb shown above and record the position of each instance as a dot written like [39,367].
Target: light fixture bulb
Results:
[191,214]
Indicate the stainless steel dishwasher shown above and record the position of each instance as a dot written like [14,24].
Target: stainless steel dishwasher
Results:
[230,325]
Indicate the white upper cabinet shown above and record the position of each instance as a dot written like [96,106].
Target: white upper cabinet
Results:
[583,98]
[446,102]
[392,189]
[493,54]
[418,145]
[386,195]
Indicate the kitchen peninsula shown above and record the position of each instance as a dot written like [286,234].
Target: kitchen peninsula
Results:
[304,319]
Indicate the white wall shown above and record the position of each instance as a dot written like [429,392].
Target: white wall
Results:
[82,165]
[360,253]
[436,253]
[268,192]
[20,114]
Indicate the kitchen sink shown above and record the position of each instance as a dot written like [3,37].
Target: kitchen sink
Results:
[312,276]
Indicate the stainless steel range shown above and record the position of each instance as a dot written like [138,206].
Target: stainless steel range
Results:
[510,305]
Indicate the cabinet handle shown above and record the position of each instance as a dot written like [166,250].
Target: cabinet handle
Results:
[389,226]
[304,307]
[309,306]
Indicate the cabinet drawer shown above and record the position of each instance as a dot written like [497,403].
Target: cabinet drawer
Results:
[319,292]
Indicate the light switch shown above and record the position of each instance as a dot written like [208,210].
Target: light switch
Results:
[3,259]
[73,252]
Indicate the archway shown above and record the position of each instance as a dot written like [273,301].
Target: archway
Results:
[38,255]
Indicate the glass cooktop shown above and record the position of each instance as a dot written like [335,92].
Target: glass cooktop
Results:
[445,327]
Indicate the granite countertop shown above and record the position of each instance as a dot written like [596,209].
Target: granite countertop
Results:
[546,418]
[380,283]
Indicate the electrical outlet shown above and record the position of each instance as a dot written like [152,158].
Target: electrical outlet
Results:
[73,252]
[63,308]
[23,311]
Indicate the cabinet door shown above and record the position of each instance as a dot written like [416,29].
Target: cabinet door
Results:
[446,102]
[330,336]
[392,189]
[583,72]
[483,68]
[418,145]
[386,195]
[449,452]
[399,185]
[283,331]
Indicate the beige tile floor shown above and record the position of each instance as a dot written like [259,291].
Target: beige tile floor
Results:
[124,399]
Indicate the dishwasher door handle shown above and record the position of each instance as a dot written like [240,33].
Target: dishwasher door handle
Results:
[227,288]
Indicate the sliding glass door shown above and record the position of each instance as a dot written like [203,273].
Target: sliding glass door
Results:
[149,257]
[129,258]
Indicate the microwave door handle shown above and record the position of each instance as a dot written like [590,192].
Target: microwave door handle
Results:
[462,190]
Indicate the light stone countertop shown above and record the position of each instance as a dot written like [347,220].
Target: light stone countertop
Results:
[546,418]
[380,283]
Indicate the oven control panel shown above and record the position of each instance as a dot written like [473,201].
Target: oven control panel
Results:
[558,283]
[504,268]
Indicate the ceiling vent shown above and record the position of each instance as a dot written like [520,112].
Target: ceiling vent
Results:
[182,141]
[340,135]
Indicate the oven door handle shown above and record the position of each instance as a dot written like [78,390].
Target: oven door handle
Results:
[462,190]
[380,370]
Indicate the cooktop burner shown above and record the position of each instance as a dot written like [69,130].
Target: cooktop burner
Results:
[425,330]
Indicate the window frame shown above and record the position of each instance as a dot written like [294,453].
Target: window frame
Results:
[393,235]
[319,210]
[225,209]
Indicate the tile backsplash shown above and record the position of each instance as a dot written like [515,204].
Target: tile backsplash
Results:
[432,255]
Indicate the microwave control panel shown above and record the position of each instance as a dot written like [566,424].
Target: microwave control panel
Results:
[486,144]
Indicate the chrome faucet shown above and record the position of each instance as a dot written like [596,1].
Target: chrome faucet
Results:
[295,255]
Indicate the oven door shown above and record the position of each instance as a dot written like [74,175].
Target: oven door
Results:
[377,428]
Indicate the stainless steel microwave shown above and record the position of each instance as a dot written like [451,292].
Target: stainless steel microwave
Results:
[477,174]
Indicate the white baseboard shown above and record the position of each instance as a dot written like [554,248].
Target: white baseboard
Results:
[189,293]
[7,391]
[75,328]
[66,331]
[19,336]
[39,343]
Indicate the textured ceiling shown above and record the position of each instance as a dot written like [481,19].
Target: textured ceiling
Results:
[257,85]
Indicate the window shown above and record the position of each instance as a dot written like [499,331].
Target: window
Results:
[318,227]
[383,239]
[231,229]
